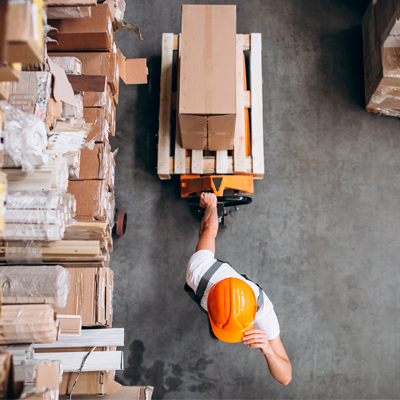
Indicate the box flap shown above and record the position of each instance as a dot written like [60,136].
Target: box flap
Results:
[193,131]
[132,71]
[62,90]
[221,132]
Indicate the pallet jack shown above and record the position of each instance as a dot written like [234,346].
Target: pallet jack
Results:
[232,191]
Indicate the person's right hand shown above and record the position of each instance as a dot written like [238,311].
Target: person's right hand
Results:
[208,200]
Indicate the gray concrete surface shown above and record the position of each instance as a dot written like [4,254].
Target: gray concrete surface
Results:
[321,237]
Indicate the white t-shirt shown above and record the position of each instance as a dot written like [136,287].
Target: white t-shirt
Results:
[201,261]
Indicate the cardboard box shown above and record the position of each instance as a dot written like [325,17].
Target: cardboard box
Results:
[91,201]
[97,64]
[98,383]
[102,100]
[92,384]
[4,91]
[71,65]
[94,163]
[25,37]
[3,40]
[380,37]
[100,128]
[207,77]
[84,34]
[32,93]
[10,72]
[87,296]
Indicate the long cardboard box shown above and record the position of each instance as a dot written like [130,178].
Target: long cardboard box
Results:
[91,199]
[92,384]
[95,63]
[84,34]
[100,128]
[25,32]
[207,77]
[94,162]
[88,296]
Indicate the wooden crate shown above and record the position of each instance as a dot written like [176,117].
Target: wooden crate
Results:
[172,159]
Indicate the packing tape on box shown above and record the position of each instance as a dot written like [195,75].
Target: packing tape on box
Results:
[23,252]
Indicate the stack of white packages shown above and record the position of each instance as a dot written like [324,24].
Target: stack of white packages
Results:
[38,215]
[53,175]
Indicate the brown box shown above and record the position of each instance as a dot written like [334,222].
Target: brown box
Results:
[87,296]
[102,100]
[97,64]
[207,77]
[97,99]
[91,201]
[94,163]
[3,31]
[382,78]
[84,34]
[100,128]
[4,91]
[25,37]
[10,72]
[93,382]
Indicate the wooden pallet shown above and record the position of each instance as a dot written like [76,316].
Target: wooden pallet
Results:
[221,162]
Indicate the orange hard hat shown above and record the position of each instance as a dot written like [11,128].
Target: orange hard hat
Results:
[232,307]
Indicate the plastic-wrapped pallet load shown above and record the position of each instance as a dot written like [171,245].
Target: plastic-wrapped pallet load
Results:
[38,215]
[35,285]
[25,137]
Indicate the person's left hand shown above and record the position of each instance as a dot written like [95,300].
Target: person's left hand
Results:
[257,338]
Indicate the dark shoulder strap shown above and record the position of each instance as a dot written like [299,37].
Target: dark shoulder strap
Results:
[206,278]
[260,298]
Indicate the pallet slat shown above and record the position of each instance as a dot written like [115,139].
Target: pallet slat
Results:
[239,142]
[257,130]
[221,162]
[164,138]
[180,152]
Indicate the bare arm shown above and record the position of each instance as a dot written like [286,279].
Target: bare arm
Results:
[274,353]
[209,224]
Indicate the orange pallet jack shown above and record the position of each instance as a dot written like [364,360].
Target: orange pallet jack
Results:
[232,191]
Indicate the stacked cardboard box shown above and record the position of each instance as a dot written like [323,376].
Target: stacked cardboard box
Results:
[58,123]
[207,77]
[87,48]
[381,36]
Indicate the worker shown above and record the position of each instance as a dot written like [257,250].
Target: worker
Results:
[238,309]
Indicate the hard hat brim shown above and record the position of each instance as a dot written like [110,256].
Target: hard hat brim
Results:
[229,336]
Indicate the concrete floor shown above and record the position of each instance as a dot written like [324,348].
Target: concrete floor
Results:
[321,237]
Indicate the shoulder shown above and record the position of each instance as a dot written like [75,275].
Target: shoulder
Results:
[199,263]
